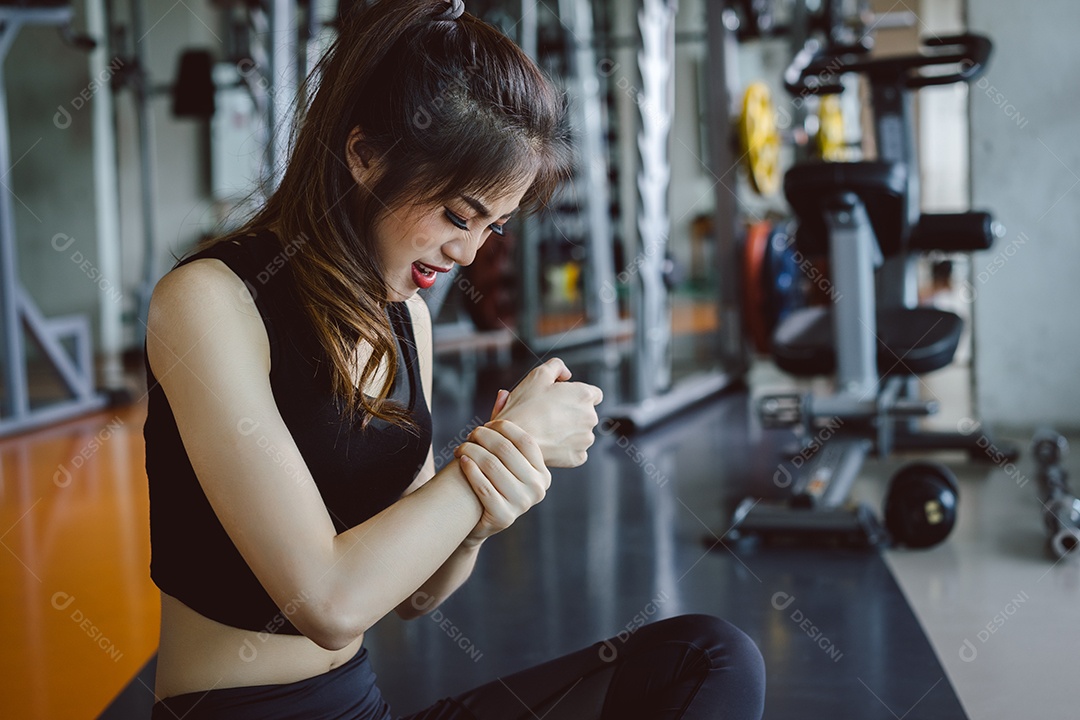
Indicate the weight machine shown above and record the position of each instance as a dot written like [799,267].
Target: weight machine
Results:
[865,215]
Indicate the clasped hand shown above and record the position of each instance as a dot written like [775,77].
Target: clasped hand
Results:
[546,421]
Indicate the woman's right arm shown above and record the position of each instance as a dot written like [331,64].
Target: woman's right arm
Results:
[209,351]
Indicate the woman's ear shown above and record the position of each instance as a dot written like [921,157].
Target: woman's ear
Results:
[360,157]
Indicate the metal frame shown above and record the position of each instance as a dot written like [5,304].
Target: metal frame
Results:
[17,308]
[884,409]
[655,398]
[853,256]
[140,82]
[602,319]
[872,405]
[283,66]
[106,205]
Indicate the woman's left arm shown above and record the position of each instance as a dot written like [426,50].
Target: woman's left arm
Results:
[457,568]
[449,577]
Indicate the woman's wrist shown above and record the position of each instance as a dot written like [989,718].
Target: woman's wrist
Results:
[471,543]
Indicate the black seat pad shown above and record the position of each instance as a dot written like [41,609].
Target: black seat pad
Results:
[882,187]
[910,341]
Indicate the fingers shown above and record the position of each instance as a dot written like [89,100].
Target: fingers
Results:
[505,480]
[591,393]
[496,507]
[517,452]
[523,441]
[500,403]
[555,370]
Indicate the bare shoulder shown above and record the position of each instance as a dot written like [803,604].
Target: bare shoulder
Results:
[204,303]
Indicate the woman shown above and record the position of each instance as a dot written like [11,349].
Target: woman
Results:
[294,498]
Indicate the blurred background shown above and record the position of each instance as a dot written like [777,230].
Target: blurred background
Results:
[819,254]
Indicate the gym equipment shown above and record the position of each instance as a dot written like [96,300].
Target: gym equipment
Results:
[773,284]
[17,307]
[873,337]
[655,397]
[890,189]
[591,227]
[134,76]
[759,138]
[193,91]
[755,250]
[727,24]
[839,24]
[829,140]
[920,505]
[1061,509]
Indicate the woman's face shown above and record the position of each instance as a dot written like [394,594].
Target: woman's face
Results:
[418,243]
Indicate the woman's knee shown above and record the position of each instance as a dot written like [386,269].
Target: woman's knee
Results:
[724,643]
[699,653]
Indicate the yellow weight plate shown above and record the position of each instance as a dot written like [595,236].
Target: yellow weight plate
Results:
[760,139]
[829,141]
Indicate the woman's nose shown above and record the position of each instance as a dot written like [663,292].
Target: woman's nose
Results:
[462,249]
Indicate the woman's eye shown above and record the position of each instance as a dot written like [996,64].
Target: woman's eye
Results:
[457,220]
[498,229]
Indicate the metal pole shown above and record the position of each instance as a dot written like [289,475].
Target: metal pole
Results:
[721,37]
[653,329]
[146,171]
[576,15]
[283,75]
[106,198]
[16,402]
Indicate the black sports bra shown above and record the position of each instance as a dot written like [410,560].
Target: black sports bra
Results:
[358,473]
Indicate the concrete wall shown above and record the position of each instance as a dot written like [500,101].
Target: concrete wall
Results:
[51,174]
[1025,166]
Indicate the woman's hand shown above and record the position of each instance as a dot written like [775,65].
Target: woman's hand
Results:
[506,470]
[559,414]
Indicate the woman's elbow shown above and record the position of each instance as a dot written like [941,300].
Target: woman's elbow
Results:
[332,639]
[331,629]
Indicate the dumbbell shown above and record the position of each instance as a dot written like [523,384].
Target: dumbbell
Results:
[1061,509]
[920,504]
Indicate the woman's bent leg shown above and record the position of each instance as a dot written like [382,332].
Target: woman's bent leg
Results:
[688,667]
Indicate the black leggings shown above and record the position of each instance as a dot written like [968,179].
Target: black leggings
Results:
[689,667]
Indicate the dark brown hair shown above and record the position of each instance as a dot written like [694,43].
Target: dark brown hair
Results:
[448,107]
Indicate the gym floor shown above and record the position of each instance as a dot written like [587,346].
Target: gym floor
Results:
[629,537]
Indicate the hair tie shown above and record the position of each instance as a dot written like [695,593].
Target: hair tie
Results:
[453,10]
